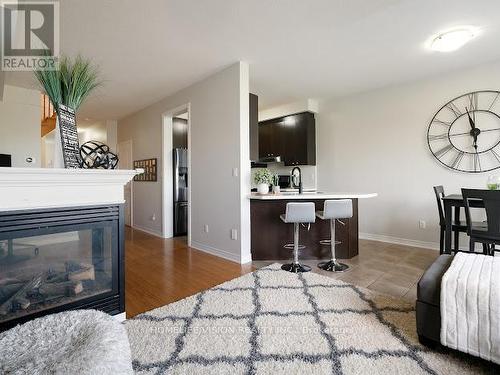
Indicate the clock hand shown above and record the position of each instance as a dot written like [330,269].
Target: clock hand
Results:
[472,125]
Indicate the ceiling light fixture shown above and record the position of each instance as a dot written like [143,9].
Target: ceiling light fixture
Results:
[453,39]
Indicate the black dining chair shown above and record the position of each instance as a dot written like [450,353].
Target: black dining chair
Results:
[486,233]
[456,226]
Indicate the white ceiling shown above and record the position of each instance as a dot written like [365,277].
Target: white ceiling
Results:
[297,49]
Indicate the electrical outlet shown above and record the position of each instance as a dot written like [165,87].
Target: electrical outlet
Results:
[422,224]
[205,228]
[153,217]
[234,234]
[235,172]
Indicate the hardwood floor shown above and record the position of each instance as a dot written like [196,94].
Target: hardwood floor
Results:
[161,271]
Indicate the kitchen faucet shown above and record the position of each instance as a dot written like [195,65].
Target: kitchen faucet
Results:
[300,178]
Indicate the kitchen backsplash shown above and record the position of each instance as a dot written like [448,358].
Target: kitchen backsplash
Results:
[308,173]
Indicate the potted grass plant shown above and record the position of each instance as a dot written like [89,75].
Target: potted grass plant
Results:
[72,83]
[69,85]
[263,178]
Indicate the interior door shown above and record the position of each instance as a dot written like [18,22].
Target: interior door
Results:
[125,162]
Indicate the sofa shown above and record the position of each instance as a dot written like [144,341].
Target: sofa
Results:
[428,312]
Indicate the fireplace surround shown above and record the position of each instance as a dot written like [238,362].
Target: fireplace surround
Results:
[61,242]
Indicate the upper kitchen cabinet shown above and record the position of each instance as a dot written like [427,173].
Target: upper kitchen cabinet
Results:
[254,127]
[293,138]
[271,140]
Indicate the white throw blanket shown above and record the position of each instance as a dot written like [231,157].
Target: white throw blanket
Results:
[470,306]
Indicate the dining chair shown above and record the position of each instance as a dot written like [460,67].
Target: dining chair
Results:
[456,226]
[489,234]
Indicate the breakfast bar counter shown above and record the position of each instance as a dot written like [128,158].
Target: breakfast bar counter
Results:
[269,234]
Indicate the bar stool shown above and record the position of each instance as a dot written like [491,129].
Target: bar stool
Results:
[296,214]
[334,210]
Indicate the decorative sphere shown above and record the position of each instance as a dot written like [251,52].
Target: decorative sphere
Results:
[96,155]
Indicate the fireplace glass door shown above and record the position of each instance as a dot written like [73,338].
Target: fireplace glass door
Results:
[56,265]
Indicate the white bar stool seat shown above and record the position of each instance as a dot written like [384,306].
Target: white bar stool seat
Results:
[334,210]
[297,213]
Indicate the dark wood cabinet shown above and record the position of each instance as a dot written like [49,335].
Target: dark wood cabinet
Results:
[254,127]
[291,137]
[271,140]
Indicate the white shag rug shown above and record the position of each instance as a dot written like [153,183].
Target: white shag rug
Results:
[276,322]
[83,342]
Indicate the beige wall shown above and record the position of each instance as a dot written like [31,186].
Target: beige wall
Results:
[20,125]
[219,144]
[376,142]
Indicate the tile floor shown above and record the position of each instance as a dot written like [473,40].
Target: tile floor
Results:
[382,267]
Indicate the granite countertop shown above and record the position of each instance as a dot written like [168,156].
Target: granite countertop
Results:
[311,195]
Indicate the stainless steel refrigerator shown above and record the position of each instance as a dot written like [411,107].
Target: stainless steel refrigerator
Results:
[180,191]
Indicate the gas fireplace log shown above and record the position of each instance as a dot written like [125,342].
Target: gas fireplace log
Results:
[80,271]
[13,301]
[57,277]
[22,302]
[66,288]
[10,281]
[8,291]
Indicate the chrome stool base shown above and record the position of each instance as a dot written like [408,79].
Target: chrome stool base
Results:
[329,242]
[333,266]
[291,246]
[295,267]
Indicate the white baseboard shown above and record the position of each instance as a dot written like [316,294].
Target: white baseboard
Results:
[219,253]
[246,259]
[149,231]
[205,248]
[399,241]
[408,242]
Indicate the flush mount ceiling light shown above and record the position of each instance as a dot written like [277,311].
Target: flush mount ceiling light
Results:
[453,39]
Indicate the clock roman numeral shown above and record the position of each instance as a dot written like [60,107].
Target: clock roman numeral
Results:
[472,101]
[458,159]
[477,162]
[453,108]
[493,101]
[438,137]
[440,153]
[441,122]
[495,154]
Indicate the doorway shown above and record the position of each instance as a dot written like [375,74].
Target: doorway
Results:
[125,161]
[180,173]
[177,174]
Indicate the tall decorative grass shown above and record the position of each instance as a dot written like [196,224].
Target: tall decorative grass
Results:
[72,83]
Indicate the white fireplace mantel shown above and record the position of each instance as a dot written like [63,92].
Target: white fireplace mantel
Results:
[32,188]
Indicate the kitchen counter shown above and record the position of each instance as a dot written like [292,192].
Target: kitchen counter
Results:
[311,195]
[269,233]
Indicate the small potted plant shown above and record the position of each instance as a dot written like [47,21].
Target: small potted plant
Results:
[263,178]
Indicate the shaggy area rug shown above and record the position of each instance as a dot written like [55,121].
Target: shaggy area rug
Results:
[276,322]
[83,342]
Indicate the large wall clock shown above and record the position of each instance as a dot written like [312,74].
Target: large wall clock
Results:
[464,134]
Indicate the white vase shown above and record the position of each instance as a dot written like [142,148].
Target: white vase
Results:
[263,188]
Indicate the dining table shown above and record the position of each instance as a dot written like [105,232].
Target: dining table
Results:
[452,207]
